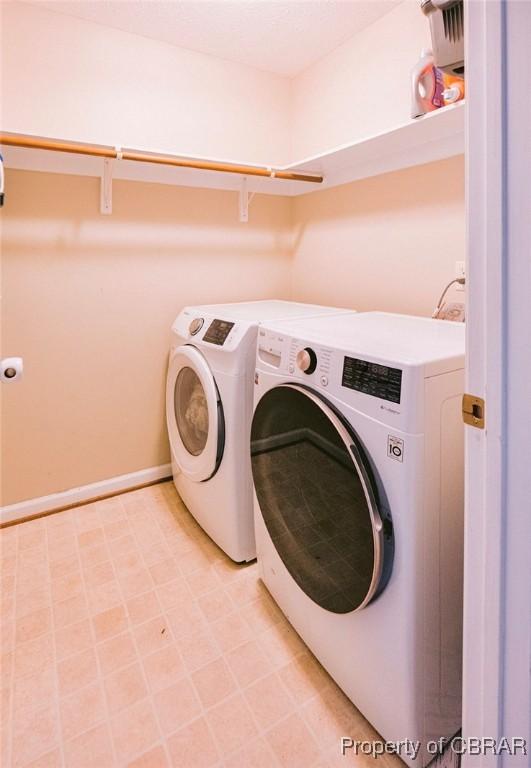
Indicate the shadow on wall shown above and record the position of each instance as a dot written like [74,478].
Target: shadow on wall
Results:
[88,303]
[173,220]
[89,299]
[388,243]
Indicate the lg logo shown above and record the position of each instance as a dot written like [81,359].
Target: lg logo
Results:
[395,448]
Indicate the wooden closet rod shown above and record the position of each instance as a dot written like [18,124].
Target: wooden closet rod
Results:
[98,150]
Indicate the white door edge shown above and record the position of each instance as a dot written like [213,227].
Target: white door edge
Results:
[202,466]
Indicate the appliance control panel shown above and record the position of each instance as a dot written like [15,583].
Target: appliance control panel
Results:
[217,332]
[372,379]
[382,390]
[213,331]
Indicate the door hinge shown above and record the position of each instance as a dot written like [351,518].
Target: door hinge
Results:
[474,411]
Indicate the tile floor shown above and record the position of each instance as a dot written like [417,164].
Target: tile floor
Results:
[130,639]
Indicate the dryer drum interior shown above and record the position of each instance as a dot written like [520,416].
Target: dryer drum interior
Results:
[319,499]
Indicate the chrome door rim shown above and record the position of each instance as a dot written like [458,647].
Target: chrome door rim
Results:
[210,457]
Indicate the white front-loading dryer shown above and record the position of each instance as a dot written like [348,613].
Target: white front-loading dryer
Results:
[209,397]
[357,462]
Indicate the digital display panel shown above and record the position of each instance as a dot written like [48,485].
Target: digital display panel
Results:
[372,379]
[217,332]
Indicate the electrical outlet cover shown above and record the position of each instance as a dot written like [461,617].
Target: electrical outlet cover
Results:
[460,271]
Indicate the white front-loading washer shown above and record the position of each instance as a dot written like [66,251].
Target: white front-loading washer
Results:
[209,398]
[357,462]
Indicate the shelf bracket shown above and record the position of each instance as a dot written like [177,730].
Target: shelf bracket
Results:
[244,201]
[106,187]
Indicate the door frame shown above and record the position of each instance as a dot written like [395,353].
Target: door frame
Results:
[496,655]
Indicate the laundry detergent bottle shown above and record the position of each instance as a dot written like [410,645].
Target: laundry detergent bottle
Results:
[426,85]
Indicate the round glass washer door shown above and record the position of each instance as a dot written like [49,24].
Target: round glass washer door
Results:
[191,411]
[319,499]
[194,414]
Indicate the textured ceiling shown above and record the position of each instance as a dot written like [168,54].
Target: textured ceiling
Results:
[280,37]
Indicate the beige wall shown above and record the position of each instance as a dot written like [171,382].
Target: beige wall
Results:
[95,83]
[69,78]
[362,87]
[88,301]
[388,243]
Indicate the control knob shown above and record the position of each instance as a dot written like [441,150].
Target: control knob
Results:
[196,325]
[306,360]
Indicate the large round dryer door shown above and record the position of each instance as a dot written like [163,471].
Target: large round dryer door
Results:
[318,499]
[194,414]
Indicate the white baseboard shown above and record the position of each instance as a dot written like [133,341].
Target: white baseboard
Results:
[12,512]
